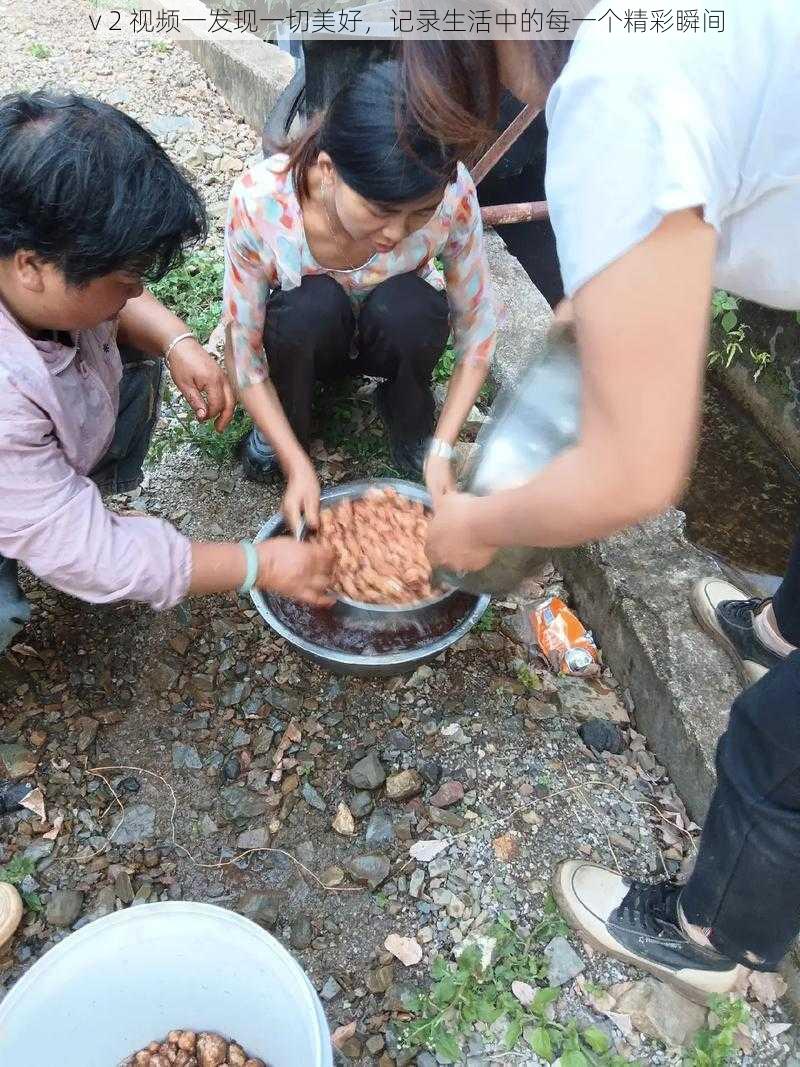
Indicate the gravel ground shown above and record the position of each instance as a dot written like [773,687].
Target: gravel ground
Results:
[258,746]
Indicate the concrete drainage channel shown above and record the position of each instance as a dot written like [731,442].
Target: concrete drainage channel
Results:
[632,589]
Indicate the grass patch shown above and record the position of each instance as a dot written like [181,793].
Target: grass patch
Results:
[715,1045]
[464,997]
[15,874]
[40,51]
[193,290]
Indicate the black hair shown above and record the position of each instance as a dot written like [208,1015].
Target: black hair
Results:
[90,190]
[359,131]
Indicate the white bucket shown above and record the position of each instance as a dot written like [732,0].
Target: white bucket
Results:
[130,978]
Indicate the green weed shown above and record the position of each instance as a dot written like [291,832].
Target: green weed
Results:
[464,996]
[193,291]
[715,1046]
[15,874]
[40,51]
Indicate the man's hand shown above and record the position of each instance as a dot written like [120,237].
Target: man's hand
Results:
[451,538]
[301,499]
[203,383]
[293,569]
[439,477]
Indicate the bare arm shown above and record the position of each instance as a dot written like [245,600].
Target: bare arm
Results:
[642,326]
[462,392]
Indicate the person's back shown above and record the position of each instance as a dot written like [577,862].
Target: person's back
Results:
[686,119]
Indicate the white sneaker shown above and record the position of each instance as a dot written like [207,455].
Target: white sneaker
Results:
[10,913]
[638,923]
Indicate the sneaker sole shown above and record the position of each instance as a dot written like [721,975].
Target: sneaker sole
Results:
[703,611]
[691,992]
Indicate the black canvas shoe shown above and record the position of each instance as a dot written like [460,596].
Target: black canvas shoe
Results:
[407,456]
[727,614]
[639,924]
[259,459]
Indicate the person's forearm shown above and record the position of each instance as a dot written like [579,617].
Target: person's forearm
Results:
[216,568]
[465,385]
[264,407]
[585,494]
[145,323]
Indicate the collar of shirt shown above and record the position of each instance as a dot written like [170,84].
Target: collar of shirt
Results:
[56,356]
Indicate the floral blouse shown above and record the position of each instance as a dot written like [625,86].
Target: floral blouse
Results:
[266,249]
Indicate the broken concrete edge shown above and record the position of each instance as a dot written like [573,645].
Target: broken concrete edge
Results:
[250,73]
[768,404]
[680,683]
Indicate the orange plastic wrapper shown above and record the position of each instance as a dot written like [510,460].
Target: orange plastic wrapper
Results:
[564,640]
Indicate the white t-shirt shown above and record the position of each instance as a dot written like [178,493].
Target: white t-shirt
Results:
[643,125]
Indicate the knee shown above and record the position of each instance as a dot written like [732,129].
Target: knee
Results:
[314,312]
[407,308]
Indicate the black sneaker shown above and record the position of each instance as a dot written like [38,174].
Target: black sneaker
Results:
[727,614]
[259,459]
[639,924]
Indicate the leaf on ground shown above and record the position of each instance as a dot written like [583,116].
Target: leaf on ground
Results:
[34,802]
[524,993]
[767,988]
[425,851]
[506,848]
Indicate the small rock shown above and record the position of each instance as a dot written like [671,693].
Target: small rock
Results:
[261,908]
[302,933]
[123,887]
[415,884]
[312,797]
[486,946]
[404,785]
[368,773]
[138,824]
[231,767]
[564,963]
[361,805]
[185,757]
[659,1011]
[331,989]
[602,736]
[431,771]
[259,837]
[397,741]
[440,817]
[87,731]
[379,980]
[343,821]
[16,762]
[38,850]
[370,870]
[405,949]
[449,793]
[240,804]
[64,907]
[374,1044]
[380,831]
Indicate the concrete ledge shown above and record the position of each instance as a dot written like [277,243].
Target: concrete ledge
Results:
[527,313]
[249,73]
[632,591]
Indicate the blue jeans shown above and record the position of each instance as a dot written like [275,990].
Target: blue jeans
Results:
[119,471]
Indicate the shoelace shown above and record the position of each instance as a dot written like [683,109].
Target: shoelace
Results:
[654,907]
[741,611]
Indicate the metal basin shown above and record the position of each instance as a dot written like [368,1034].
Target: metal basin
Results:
[370,640]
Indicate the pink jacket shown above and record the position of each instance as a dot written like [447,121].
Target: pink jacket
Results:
[57,416]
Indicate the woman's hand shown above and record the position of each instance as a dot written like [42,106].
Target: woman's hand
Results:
[301,499]
[203,383]
[439,476]
[451,538]
[293,569]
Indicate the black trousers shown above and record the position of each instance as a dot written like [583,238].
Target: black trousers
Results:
[744,885]
[311,334]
